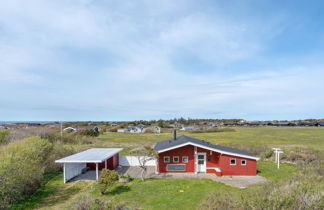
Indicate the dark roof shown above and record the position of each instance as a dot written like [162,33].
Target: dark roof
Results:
[165,144]
[90,127]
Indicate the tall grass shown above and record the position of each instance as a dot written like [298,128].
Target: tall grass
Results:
[304,190]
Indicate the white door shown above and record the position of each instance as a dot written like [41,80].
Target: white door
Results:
[201,162]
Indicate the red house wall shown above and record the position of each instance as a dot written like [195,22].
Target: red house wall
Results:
[249,169]
[182,151]
[112,163]
[213,160]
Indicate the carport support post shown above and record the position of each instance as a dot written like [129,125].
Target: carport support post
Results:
[97,173]
[106,164]
[195,160]
[64,173]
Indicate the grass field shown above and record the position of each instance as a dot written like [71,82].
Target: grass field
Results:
[151,194]
[310,137]
[167,193]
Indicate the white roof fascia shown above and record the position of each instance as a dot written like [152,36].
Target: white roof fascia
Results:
[209,148]
[116,150]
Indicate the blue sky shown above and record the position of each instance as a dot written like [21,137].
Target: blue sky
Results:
[127,60]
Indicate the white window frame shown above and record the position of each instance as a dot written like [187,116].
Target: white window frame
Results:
[242,163]
[186,160]
[174,160]
[232,163]
[166,161]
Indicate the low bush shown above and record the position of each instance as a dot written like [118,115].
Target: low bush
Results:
[107,179]
[3,136]
[22,133]
[88,132]
[22,165]
[89,203]
[58,151]
[72,138]
[218,200]
[303,191]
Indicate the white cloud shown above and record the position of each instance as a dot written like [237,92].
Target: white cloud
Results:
[145,38]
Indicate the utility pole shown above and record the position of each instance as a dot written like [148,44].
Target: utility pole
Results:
[61,129]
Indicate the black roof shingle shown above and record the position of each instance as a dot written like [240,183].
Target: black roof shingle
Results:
[168,143]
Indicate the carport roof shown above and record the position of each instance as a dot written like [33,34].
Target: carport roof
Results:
[94,155]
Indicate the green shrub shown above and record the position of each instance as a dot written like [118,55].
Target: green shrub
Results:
[124,176]
[267,154]
[88,132]
[22,165]
[3,136]
[107,179]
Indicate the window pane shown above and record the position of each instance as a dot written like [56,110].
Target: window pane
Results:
[201,161]
[185,159]
[201,157]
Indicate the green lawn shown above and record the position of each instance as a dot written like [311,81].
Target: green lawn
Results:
[151,194]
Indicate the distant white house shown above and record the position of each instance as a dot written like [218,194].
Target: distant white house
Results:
[76,128]
[133,129]
[69,129]
[137,128]
[157,129]
[122,130]
[187,128]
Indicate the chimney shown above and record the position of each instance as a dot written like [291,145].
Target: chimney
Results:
[174,134]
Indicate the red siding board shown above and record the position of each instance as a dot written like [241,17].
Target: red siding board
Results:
[112,163]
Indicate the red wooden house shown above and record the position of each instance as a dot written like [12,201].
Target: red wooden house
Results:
[189,155]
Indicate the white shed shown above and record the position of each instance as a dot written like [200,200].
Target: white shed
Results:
[100,157]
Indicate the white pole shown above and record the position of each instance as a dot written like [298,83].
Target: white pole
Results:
[97,173]
[276,158]
[279,158]
[61,129]
[106,164]
[156,165]
[196,162]
[64,173]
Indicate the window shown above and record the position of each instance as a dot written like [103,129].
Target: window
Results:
[185,159]
[176,159]
[243,162]
[232,161]
[176,167]
[166,159]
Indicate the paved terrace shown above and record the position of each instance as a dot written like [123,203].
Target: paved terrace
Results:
[234,181]
[135,172]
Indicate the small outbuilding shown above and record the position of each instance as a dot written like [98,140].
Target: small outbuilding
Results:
[93,159]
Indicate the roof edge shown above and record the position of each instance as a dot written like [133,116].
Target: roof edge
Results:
[88,161]
[209,148]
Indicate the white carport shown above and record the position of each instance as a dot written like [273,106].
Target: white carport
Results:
[74,164]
